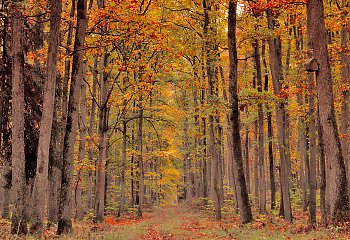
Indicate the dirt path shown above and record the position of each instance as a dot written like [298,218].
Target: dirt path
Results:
[171,223]
[183,222]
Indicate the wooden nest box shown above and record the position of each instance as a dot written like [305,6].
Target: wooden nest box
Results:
[311,65]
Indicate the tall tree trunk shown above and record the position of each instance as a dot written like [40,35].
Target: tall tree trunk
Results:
[19,218]
[323,181]
[91,134]
[304,170]
[212,75]
[140,158]
[313,154]
[262,181]
[65,222]
[5,110]
[246,158]
[336,197]
[81,151]
[57,137]
[243,198]
[102,148]
[122,181]
[41,180]
[269,131]
[275,53]
[345,76]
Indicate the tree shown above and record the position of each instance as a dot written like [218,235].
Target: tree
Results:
[243,199]
[336,185]
[65,222]
[41,181]
[19,218]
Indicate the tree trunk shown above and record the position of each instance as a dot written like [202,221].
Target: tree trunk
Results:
[91,134]
[57,137]
[323,181]
[41,180]
[304,170]
[345,76]
[102,147]
[275,53]
[65,222]
[122,183]
[140,158]
[269,131]
[336,196]
[313,153]
[81,151]
[243,198]
[5,110]
[19,218]
[210,50]
[262,181]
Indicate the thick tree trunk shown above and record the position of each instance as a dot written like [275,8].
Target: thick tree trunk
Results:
[65,222]
[345,76]
[5,111]
[19,218]
[243,198]
[41,180]
[336,192]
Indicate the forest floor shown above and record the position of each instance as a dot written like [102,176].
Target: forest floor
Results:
[188,222]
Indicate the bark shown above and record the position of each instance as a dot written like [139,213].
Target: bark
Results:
[57,137]
[65,222]
[261,149]
[247,165]
[256,165]
[41,180]
[122,180]
[91,134]
[205,163]
[243,198]
[81,150]
[336,189]
[140,158]
[212,76]
[312,147]
[304,170]
[5,84]
[345,77]
[275,53]
[322,161]
[269,131]
[19,218]
[102,147]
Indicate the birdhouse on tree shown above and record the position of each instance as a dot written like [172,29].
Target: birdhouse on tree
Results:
[311,65]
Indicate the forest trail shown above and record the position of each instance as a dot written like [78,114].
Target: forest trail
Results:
[182,222]
[168,223]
